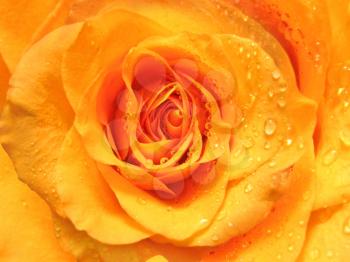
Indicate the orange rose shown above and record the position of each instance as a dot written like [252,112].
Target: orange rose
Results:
[174,131]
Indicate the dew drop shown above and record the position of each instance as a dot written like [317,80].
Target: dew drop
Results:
[290,248]
[142,201]
[289,141]
[276,74]
[203,221]
[230,224]
[314,253]
[24,203]
[301,222]
[248,188]
[163,160]
[248,142]
[267,145]
[249,75]
[329,157]
[281,102]
[270,127]
[301,145]
[344,136]
[340,91]
[215,238]
[221,215]
[346,226]
[272,163]
[329,253]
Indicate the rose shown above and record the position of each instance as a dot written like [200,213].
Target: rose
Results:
[71,108]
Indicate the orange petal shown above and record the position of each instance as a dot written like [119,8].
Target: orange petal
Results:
[37,115]
[328,235]
[24,23]
[93,207]
[293,23]
[281,235]
[26,228]
[85,248]
[333,133]
[164,218]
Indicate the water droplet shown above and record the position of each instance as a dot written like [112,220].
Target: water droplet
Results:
[301,222]
[329,253]
[248,142]
[24,203]
[329,157]
[142,200]
[215,238]
[221,215]
[314,253]
[276,74]
[249,75]
[279,256]
[306,196]
[270,127]
[301,145]
[290,248]
[163,160]
[270,94]
[346,226]
[340,91]
[344,136]
[289,141]
[248,188]
[267,145]
[203,221]
[281,102]
[272,163]
[230,224]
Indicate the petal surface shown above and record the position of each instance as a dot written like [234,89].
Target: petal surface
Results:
[26,229]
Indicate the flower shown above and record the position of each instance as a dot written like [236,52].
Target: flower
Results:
[171,131]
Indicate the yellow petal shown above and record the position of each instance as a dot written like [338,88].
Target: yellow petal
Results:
[26,227]
[37,115]
[86,248]
[174,221]
[23,23]
[333,149]
[293,23]
[281,235]
[328,235]
[92,206]
[333,133]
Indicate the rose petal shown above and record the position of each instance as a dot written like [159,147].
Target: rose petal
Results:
[165,218]
[93,208]
[327,236]
[293,23]
[36,18]
[26,228]
[37,115]
[281,235]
